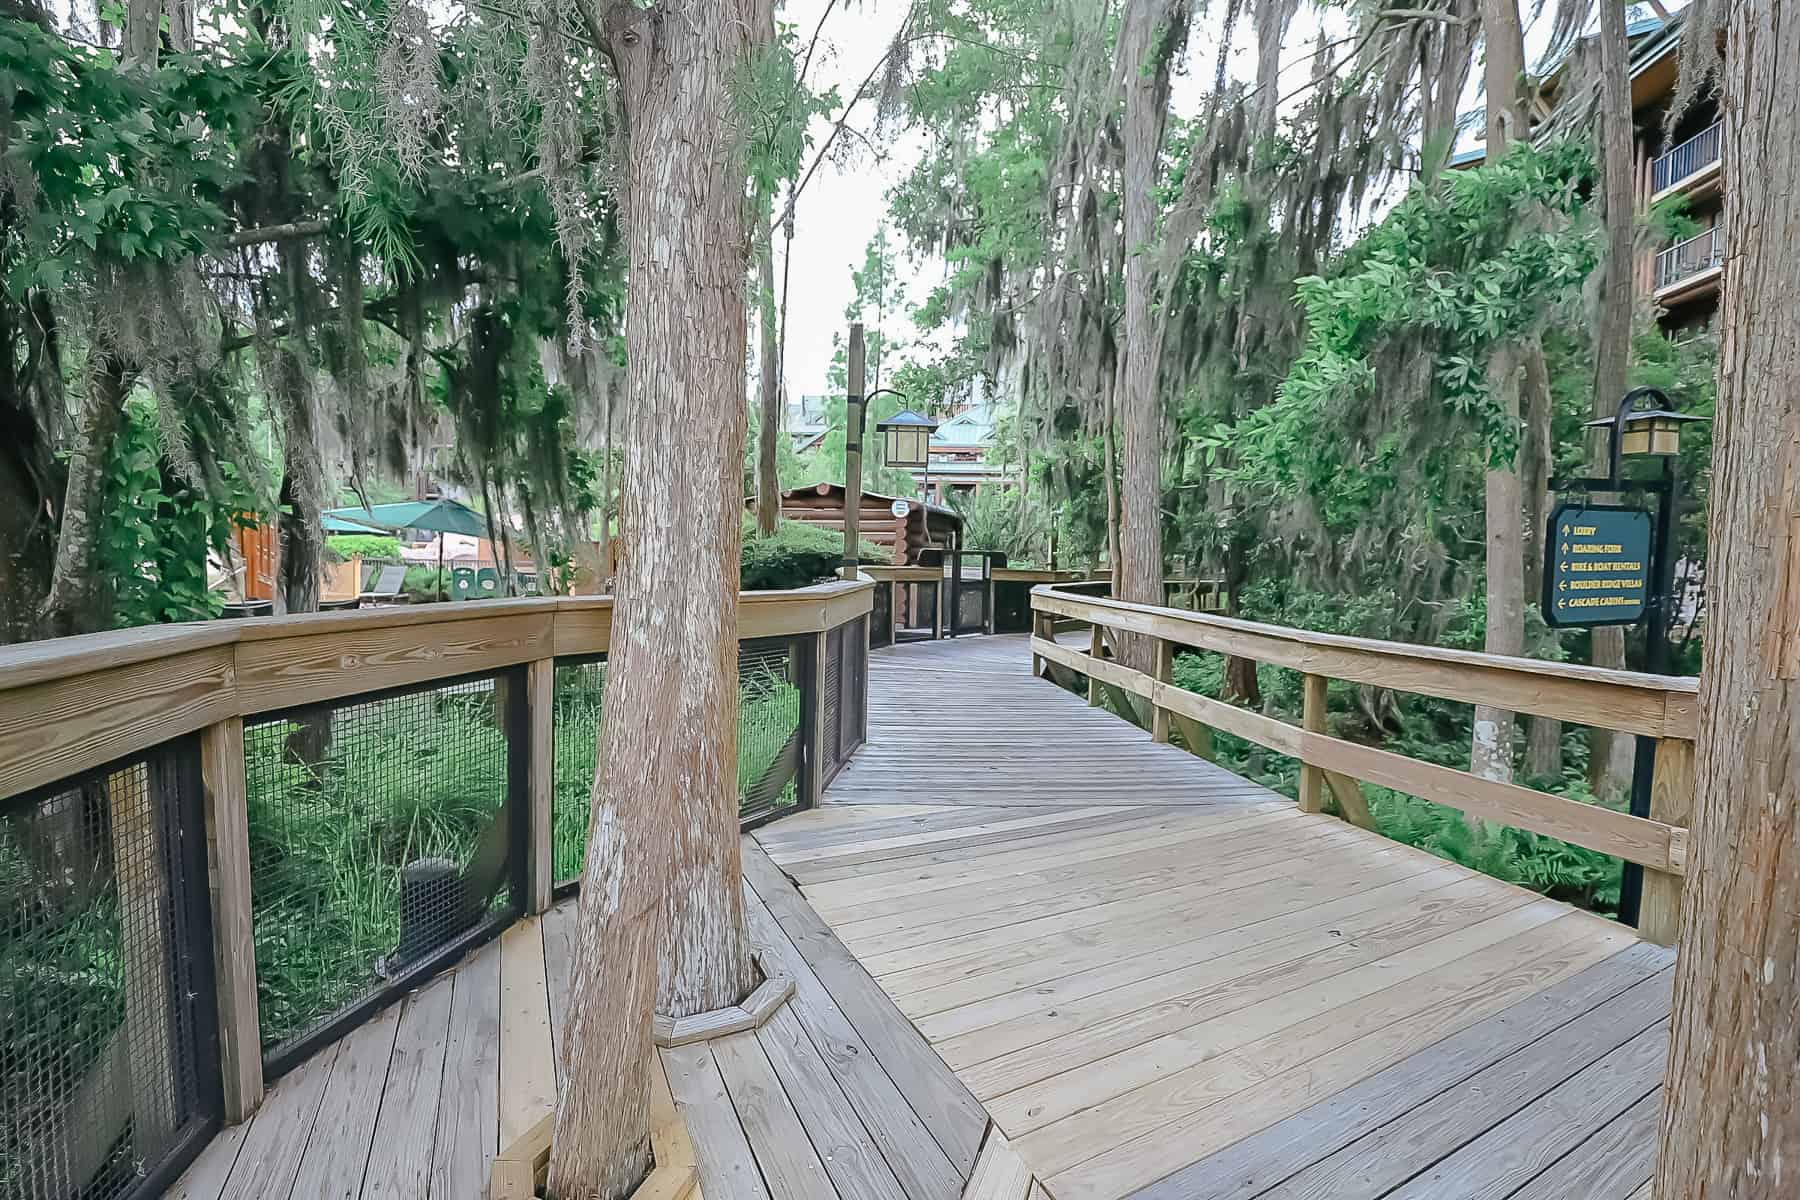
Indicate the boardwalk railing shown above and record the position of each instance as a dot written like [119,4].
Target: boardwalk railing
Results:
[1686,259]
[1645,705]
[916,603]
[223,845]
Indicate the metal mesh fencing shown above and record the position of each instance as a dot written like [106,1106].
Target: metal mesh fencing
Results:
[881,617]
[769,743]
[853,683]
[831,753]
[109,1076]
[383,840]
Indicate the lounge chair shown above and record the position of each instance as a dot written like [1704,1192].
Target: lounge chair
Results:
[387,584]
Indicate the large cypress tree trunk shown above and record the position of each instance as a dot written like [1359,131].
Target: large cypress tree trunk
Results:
[77,599]
[661,901]
[1491,753]
[1143,64]
[1610,755]
[1731,1116]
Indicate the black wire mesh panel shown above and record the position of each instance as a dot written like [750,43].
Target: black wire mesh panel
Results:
[579,688]
[918,613]
[1012,606]
[109,1075]
[853,672]
[881,617]
[768,744]
[831,754]
[384,838]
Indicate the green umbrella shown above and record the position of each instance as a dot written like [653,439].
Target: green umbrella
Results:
[432,516]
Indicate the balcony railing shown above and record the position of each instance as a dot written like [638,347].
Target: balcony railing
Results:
[1686,259]
[1689,158]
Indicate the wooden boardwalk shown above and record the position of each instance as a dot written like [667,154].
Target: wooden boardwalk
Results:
[1159,979]
[1165,981]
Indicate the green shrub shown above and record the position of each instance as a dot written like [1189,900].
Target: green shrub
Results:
[795,556]
[425,584]
[364,545]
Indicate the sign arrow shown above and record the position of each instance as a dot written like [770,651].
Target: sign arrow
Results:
[1565,527]
[1562,604]
[1562,585]
[1565,547]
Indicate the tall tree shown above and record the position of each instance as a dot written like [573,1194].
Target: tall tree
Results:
[1149,40]
[662,880]
[1505,84]
[1731,1115]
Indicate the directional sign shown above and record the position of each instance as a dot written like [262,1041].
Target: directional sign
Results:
[1596,565]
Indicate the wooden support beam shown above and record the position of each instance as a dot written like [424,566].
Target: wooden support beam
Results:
[234,947]
[540,700]
[1672,802]
[1350,800]
[1312,719]
[1195,736]
[1096,649]
[1165,665]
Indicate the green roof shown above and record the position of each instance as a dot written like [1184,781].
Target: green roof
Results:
[339,525]
[434,516]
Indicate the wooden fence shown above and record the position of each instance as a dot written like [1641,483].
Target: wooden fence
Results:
[72,710]
[1627,702]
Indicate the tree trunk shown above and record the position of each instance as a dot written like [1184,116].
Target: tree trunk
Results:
[662,881]
[1110,464]
[1731,1115]
[1143,62]
[1610,755]
[1543,736]
[1491,753]
[768,486]
[77,599]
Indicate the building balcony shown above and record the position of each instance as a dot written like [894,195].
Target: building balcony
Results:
[1691,167]
[1690,269]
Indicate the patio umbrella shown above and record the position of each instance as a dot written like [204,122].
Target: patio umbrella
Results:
[432,516]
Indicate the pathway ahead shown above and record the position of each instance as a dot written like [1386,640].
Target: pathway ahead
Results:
[1163,980]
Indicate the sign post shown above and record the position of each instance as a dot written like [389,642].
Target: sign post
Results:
[1607,565]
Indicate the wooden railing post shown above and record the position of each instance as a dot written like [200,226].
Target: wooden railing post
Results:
[1671,802]
[540,699]
[1312,719]
[1096,651]
[234,946]
[1165,665]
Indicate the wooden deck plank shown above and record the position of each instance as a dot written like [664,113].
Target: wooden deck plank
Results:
[559,923]
[1000,1174]
[206,1175]
[917,1160]
[850,1154]
[1404,1147]
[777,1137]
[468,1114]
[727,1165]
[954,1117]
[406,1126]
[1526,1144]
[1615,1164]
[1252,1166]
[527,1058]
[270,1156]
[337,1154]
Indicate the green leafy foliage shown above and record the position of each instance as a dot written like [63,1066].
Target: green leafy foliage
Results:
[794,556]
[363,545]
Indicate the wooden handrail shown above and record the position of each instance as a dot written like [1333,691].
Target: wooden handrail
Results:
[71,704]
[1654,705]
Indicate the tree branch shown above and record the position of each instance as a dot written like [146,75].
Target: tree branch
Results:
[292,231]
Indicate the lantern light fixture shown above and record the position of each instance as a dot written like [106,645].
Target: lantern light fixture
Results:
[906,440]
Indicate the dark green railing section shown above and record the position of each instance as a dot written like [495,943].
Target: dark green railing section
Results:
[773,676]
[107,1068]
[383,830]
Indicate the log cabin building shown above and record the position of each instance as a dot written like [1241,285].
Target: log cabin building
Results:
[922,527]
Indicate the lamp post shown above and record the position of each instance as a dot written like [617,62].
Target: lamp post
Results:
[1653,432]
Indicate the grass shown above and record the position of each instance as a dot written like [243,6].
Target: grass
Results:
[768,715]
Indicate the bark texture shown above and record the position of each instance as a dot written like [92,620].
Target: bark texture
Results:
[768,485]
[77,599]
[661,921]
[1731,1115]
[1610,757]
[1504,63]
[1143,64]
